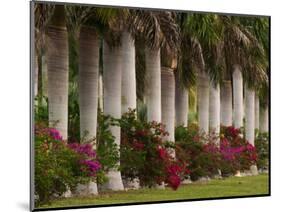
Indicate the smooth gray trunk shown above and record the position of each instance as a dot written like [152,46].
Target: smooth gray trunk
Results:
[35,76]
[181,104]
[57,62]
[44,76]
[88,93]
[168,102]
[101,93]
[250,115]
[237,97]
[264,119]
[257,111]
[203,101]
[112,70]
[129,95]
[214,109]
[226,103]
[250,121]
[153,84]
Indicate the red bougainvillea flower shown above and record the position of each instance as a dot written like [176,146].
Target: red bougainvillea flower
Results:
[162,153]
[174,181]
[138,145]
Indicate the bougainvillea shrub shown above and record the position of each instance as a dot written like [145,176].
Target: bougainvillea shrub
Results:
[237,152]
[145,155]
[59,166]
[200,152]
[262,147]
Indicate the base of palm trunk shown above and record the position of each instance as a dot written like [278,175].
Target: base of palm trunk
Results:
[238,174]
[132,184]
[114,182]
[90,188]
[161,186]
[67,194]
[254,170]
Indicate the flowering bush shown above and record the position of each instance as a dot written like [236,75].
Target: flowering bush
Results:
[145,155]
[198,151]
[237,153]
[59,166]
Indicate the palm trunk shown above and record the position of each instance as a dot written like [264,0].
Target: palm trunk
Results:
[237,97]
[214,109]
[257,111]
[250,121]
[35,71]
[88,92]
[153,84]
[168,102]
[112,69]
[181,104]
[57,62]
[203,102]
[44,76]
[226,103]
[129,96]
[101,93]
[250,115]
[264,120]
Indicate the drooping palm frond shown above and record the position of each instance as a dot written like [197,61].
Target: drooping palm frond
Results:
[256,58]
[158,29]
[42,15]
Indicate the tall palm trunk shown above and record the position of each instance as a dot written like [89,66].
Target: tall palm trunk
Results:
[112,69]
[203,101]
[226,103]
[237,97]
[57,62]
[129,95]
[264,119]
[44,76]
[35,72]
[250,115]
[88,92]
[250,121]
[214,109]
[100,92]
[153,84]
[257,111]
[181,103]
[168,102]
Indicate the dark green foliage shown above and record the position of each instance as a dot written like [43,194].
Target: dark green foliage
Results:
[262,146]
[107,149]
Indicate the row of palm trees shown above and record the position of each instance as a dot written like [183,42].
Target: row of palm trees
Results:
[157,57]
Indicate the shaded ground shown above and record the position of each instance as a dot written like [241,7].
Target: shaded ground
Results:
[233,186]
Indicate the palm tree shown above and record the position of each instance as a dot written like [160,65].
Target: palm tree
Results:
[257,111]
[168,101]
[57,62]
[155,29]
[206,29]
[237,96]
[181,103]
[129,95]
[112,69]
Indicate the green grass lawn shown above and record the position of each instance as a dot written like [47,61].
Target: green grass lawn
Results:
[233,186]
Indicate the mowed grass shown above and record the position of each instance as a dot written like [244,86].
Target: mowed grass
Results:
[233,186]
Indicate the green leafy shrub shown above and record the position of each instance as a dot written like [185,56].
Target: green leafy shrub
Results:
[107,150]
[262,146]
